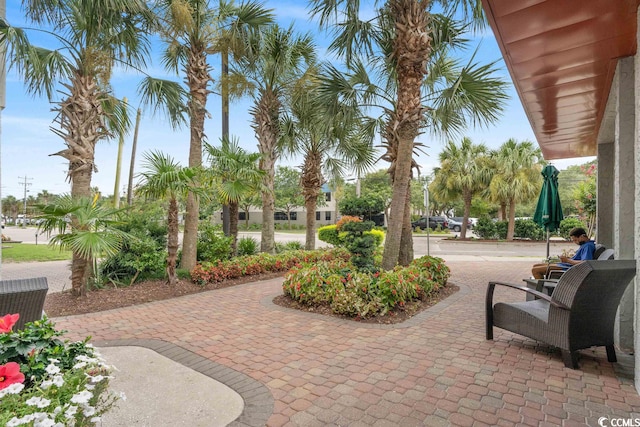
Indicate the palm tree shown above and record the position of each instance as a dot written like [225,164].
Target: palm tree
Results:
[421,87]
[330,145]
[90,234]
[192,30]
[235,174]
[164,178]
[80,68]
[517,176]
[273,64]
[464,171]
[11,207]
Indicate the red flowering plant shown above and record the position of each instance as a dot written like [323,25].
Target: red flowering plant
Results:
[47,381]
[7,322]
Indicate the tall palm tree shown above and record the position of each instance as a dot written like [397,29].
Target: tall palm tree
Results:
[92,233]
[163,178]
[275,61]
[330,145]
[517,177]
[235,174]
[406,44]
[464,171]
[79,68]
[192,30]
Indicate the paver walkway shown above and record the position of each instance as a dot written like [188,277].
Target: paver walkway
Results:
[436,369]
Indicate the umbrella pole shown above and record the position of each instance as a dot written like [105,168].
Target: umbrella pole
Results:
[547,243]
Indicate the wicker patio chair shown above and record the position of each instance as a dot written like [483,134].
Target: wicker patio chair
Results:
[24,296]
[579,314]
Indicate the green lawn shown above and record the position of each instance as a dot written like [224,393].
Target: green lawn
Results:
[25,252]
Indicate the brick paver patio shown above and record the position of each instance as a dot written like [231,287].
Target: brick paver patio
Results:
[437,369]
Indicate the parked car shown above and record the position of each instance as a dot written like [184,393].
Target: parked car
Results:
[455,223]
[434,223]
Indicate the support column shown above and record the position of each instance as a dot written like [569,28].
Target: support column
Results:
[624,189]
[636,230]
[604,214]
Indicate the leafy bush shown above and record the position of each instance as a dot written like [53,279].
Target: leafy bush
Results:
[58,382]
[378,235]
[485,228]
[528,229]
[567,224]
[212,272]
[363,294]
[289,246]
[213,245]
[144,255]
[247,246]
[501,229]
[362,246]
[329,234]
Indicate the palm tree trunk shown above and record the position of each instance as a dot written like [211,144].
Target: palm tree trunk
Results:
[411,48]
[172,241]
[198,79]
[265,123]
[512,219]
[81,120]
[267,243]
[465,217]
[406,244]
[233,227]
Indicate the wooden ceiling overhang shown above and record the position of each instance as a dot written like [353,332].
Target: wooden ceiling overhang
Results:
[562,56]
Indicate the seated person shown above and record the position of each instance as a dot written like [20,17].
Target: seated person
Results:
[585,252]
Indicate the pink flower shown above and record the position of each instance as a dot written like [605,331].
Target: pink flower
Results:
[7,322]
[10,374]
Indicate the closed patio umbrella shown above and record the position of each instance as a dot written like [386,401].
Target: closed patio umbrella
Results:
[549,210]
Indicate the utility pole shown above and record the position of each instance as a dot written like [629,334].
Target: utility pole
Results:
[25,183]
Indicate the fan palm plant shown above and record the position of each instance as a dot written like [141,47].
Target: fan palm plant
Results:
[276,59]
[464,171]
[80,67]
[85,227]
[418,87]
[163,178]
[192,30]
[517,176]
[235,174]
[331,145]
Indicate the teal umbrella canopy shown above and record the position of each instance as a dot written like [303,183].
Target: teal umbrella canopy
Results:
[548,212]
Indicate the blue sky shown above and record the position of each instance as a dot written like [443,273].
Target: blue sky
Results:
[27,141]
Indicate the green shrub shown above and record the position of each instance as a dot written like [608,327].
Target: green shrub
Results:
[485,228]
[329,234]
[247,246]
[213,245]
[141,257]
[378,235]
[362,246]
[528,229]
[363,294]
[501,229]
[567,224]
[288,246]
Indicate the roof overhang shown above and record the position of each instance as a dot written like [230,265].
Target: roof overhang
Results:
[562,57]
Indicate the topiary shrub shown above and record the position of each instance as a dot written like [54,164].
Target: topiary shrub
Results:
[329,234]
[362,246]
[485,228]
[567,224]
